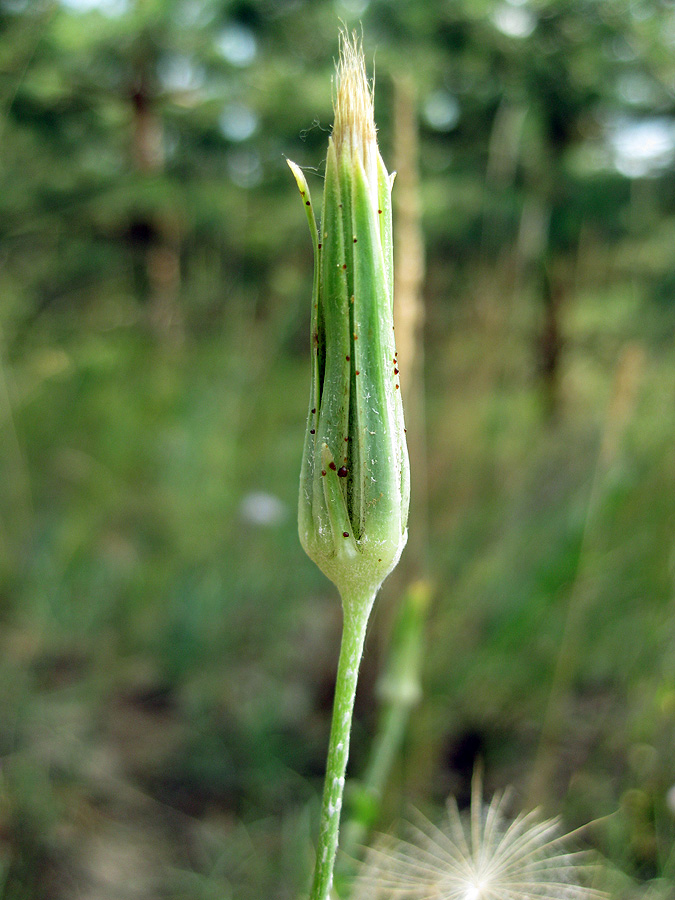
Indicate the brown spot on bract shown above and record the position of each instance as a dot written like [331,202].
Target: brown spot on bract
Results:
[342,472]
[345,534]
[396,386]
[357,372]
[354,240]
[312,431]
[319,246]
[344,266]
[331,465]
[323,471]
[395,371]
[379,212]
[348,358]
[307,203]
[314,410]
[346,439]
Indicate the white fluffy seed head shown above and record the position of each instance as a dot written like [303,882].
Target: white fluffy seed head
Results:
[488,857]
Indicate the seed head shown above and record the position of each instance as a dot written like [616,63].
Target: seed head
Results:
[486,858]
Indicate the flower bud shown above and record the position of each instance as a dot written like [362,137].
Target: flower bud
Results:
[354,483]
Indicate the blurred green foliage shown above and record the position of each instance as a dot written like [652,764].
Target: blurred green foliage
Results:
[167,651]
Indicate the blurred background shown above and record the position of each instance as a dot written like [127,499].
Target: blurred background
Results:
[167,652]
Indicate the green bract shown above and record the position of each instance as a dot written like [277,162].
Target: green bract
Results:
[354,483]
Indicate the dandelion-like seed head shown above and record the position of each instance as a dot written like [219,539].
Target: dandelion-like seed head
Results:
[488,857]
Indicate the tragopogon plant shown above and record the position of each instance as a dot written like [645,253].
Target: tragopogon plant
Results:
[486,856]
[354,483]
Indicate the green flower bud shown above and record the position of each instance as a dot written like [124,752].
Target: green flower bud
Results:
[354,483]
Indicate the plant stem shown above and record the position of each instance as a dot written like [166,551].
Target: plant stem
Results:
[367,796]
[356,613]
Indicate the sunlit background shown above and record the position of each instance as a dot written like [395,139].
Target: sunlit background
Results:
[167,652]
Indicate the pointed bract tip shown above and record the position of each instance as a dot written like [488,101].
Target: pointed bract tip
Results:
[298,174]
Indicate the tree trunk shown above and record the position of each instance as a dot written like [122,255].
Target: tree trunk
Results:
[163,249]
[409,312]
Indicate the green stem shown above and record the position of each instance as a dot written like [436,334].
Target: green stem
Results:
[387,744]
[399,690]
[351,650]
[368,795]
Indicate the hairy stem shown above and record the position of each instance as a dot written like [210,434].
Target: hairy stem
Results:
[356,613]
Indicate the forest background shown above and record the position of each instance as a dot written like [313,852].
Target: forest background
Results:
[167,651]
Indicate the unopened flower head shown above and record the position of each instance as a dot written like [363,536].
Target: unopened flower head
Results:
[354,483]
[487,857]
